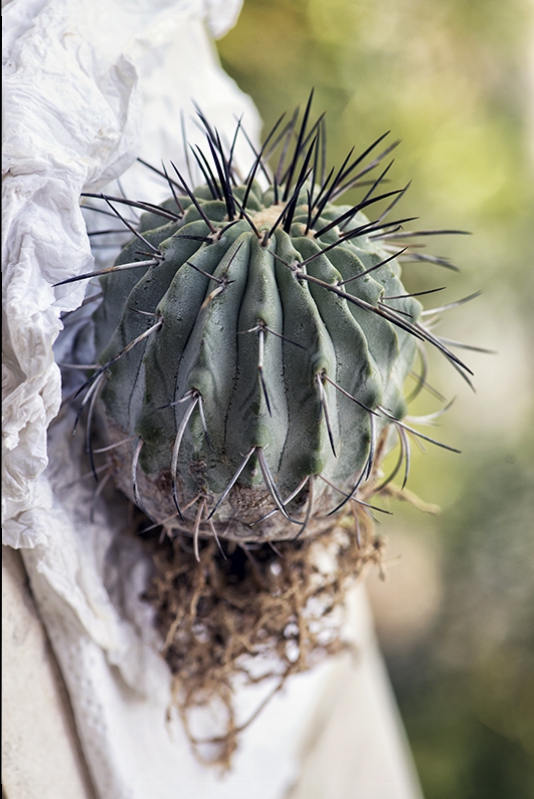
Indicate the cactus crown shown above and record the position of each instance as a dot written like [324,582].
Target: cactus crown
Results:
[255,340]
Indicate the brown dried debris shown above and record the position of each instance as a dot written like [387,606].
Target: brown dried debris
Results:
[254,613]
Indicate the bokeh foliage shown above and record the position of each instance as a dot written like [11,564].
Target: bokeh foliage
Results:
[455,81]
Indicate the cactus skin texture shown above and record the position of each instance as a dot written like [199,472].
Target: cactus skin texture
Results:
[250,367]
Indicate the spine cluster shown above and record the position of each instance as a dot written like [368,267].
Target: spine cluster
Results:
[255,340]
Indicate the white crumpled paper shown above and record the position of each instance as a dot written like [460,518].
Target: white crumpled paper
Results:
[88,87]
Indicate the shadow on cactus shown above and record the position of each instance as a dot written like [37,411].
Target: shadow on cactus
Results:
[254,340]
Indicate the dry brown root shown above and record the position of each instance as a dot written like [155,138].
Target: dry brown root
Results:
[261,613]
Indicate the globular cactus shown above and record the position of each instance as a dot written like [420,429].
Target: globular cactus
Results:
[254,343]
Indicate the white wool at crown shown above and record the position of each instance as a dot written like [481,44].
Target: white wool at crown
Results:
[88,88]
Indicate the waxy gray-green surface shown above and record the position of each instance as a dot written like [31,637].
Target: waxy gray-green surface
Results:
[314,344]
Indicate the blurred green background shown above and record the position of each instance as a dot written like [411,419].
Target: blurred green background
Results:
[455,81]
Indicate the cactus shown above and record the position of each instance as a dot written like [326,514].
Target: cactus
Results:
[254,341]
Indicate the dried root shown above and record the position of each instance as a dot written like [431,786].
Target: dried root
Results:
[251,614]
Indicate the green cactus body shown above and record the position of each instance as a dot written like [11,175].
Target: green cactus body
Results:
[250,367]
[255,371]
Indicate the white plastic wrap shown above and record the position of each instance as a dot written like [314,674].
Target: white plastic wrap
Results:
[89,86]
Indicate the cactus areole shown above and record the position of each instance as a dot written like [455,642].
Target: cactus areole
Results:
[254,341]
